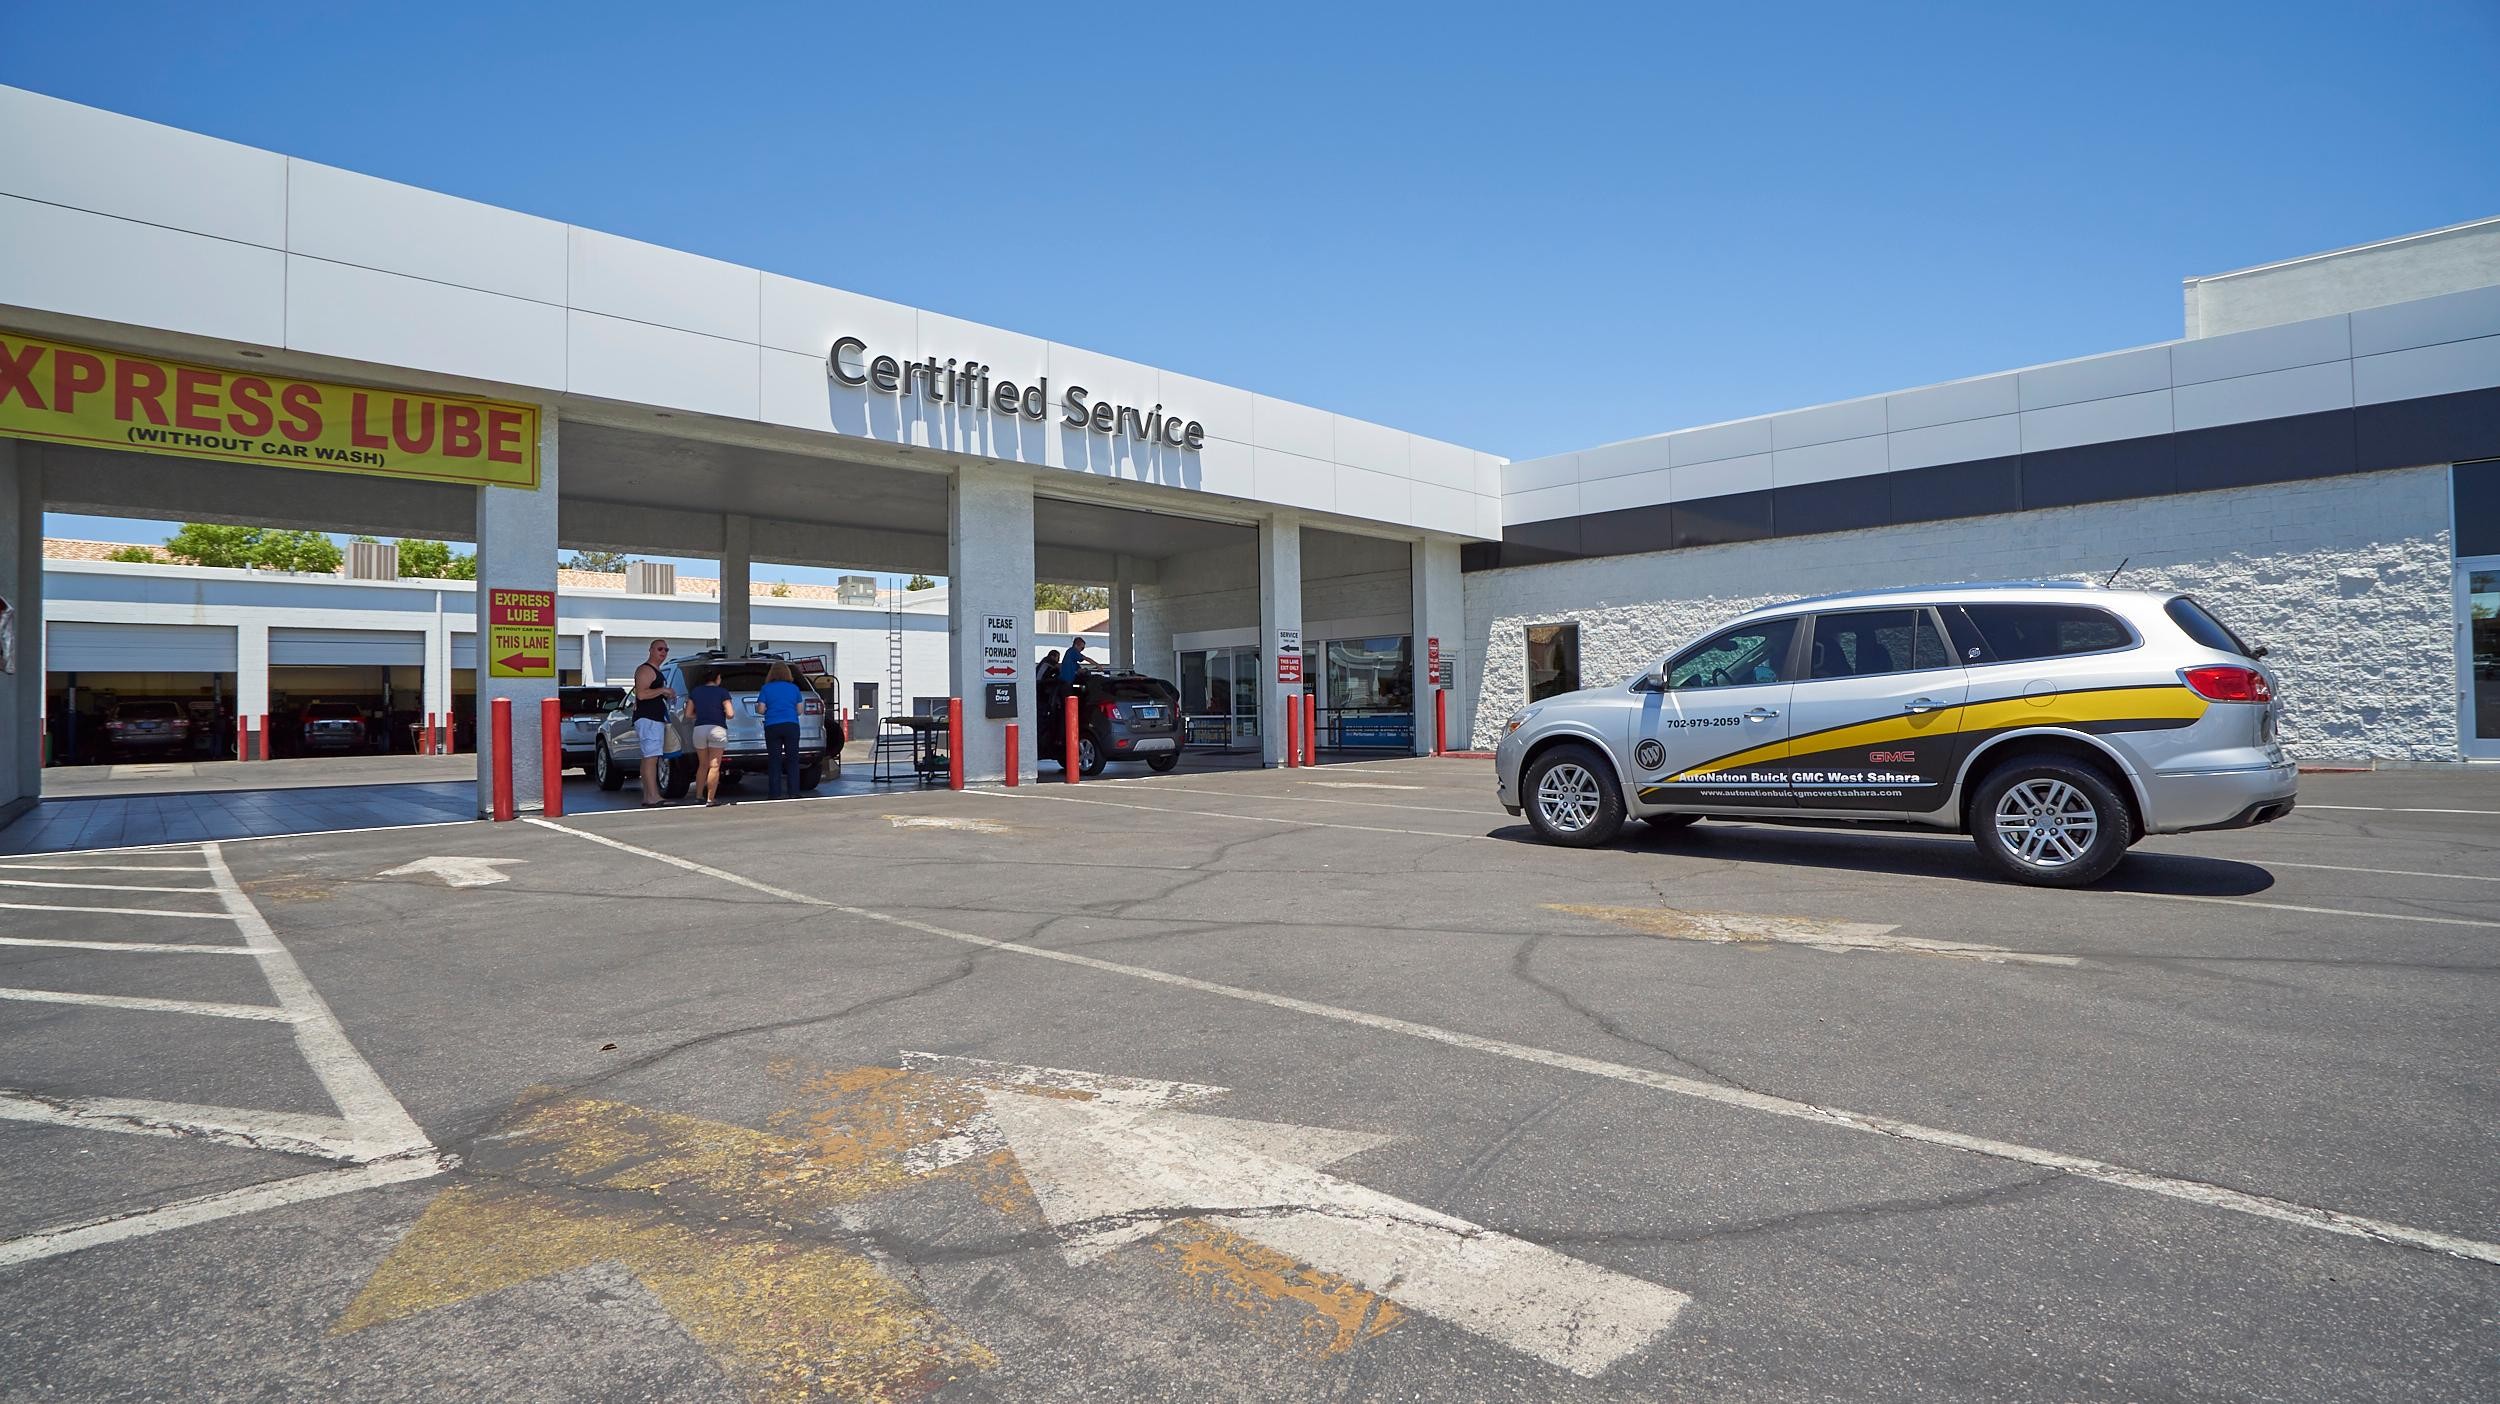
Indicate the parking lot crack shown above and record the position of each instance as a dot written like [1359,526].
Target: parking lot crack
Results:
[1523,969]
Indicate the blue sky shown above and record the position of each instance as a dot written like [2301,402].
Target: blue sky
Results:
[1526,229]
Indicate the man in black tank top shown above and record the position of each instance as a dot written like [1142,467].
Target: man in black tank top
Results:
[652,699]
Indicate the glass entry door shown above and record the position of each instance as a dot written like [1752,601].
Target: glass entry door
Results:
[1220,697]
[2478,656]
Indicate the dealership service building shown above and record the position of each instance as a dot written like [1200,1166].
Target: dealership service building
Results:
[195,330]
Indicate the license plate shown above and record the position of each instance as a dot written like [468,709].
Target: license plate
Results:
[1146,713]
[1159,743]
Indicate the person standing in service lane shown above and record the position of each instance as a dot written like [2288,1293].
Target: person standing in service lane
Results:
[709,707]
[779,700]
[651,706]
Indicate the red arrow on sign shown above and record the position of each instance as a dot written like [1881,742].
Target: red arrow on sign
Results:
[519,661]
[998,672]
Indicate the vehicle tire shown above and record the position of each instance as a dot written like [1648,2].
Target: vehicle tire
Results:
[1089,757]
[2050,822]
[1572,798]
[1664,822]
[1162,765]
[811,776]
[603,769]
[676,776]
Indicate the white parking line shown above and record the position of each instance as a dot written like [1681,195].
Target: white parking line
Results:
[113,911]
[100,867]
[1315,799]
[270,1012]
[2105,1172]
[321,1184]
[149,947]
[2290,907]
[290,1132]
[2382,872]
[97,886]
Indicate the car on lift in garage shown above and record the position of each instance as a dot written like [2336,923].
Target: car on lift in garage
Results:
[1121,716]
[584,711]
[147,728]
[336,727]
[617,756]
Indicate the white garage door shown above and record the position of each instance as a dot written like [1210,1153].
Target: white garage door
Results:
[139,648]
[346,648]
[464,651]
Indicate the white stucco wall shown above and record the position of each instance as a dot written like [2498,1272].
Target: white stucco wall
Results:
[2348,580]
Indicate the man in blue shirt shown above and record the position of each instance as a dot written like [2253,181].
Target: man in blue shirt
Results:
[1072,660]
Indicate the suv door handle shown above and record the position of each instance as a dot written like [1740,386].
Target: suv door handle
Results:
[1760,714]
[1919,704]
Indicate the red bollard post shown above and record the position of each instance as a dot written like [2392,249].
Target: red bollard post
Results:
[1015,762]
[551,757]
[433,736]
[1440,720]
[1310,728]
[1067,745]
[264,736]
[954,743]
[504,810]
[1293,734]
[242,738]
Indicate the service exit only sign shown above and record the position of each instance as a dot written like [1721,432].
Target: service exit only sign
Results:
[521,633]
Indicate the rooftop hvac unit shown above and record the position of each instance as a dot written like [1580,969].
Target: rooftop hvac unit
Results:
[856,590]
[372,560]
[1050,621]
[650,578]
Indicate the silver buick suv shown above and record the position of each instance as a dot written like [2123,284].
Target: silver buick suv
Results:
[2054,723]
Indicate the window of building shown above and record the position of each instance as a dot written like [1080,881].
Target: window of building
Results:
[1553,660]
[2014,632]
[1866,642]
[1745,654]
[1367,675]
[2476,487]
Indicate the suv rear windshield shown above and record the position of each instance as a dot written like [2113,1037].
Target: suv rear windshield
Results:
[148,711]
[737,677]
[1142,690]
[2014,632]
[2198,623]
[333,711]
[592,699]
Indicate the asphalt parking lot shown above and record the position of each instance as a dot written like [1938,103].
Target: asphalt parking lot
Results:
[1263,1085]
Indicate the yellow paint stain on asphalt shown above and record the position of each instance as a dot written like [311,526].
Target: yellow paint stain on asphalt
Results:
[712,1218]
[783,1320]
[1335,1315]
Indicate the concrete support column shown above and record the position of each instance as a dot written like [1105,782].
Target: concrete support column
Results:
[516,550]
[251,682]
[737,598]
[989,571]
[21,581]
[1280,611]
[1123,622]
[594,657]
[437,701]
[1440,612]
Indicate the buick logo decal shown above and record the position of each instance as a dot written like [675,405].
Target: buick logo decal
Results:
[1650,755]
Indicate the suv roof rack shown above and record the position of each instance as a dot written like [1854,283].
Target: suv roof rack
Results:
[1938,589]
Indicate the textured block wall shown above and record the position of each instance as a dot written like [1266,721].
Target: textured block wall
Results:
[2349,581]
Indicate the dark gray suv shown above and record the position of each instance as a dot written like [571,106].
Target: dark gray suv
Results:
[1120,716]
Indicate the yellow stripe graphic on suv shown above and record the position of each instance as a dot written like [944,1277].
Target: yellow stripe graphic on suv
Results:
[2159,703]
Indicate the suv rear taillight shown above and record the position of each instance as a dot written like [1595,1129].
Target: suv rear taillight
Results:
[1110,710]
[810,707]
[2225,683]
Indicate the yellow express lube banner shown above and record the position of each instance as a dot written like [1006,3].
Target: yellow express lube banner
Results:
[113,399]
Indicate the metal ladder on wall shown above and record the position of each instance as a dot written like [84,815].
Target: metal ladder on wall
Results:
[894,704]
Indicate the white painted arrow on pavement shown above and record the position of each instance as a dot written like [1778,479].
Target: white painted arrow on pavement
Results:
[1113,1170]
[458,872]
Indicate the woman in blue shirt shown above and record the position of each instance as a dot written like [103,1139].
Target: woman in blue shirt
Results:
[779,700]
